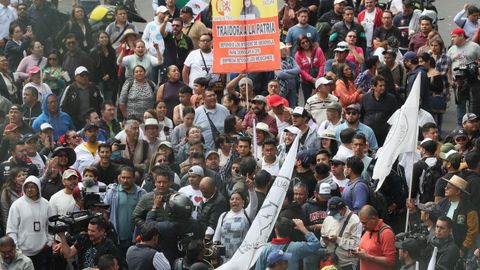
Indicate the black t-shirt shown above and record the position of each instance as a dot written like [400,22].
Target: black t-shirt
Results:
[109,174]
[384,34]
[88,253]
[331,18]
[176,51]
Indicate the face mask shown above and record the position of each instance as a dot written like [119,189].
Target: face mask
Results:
[337,216]
[115,155]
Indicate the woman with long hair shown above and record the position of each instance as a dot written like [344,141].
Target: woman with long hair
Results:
[53,74]
[345,88]
[105,61]
[233,126]
[311,61]
[168,92]
[355,53]
[329,142]
[438,86]
[79,26]
[166,124]
[12,190]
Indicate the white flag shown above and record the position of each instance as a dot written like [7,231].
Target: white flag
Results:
[433,260]
[402,136]
[257,236]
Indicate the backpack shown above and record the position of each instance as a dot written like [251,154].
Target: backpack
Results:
[430,177]
[375,198]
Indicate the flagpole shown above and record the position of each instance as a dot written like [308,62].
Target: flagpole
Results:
[254,124]
[412,156]
[246,92]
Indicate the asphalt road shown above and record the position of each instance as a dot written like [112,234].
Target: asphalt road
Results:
[446,9]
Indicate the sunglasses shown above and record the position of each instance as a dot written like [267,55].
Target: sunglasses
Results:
[351,112]
[461,139]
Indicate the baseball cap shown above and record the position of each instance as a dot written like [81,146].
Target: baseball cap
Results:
[300,111]
[292,129]
[461,132]
[338,1]
[322,81]
[161,9]
[45,126]
[325,190]
[469,117]
[263,127]
[197,170]
[306,157]
[245,80]
[339,159]
[447,147]
[334,205]
[335,106]
[341,47]
[10,128]
[69,173]
[111,141]
[459,31]
[81,69]
[429,145]
[275,100]
[187,9]
[165,143]
[446,155]
[29,137]
[354,106]
[260,98]
[409,56]
[328,134]
[34,70]
[211,153]
[428,207]
[390,51]
[278,256]
[151,122]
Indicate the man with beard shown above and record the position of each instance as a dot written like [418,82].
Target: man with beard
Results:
[60,122]
[259,113]
[107,121]
[289,135]
[15,115]
[199,62]
[18,152]
[107,170]
[11,258]
[61,159]
[36,158]
[177,44]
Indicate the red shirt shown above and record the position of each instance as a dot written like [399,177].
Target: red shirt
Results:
[385,247]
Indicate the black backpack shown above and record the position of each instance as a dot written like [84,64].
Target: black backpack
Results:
[430,177]
[375,198]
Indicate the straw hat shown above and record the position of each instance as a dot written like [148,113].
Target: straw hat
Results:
[129,32]
[458,182]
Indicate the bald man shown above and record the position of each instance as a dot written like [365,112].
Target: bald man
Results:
[10,258]
[213,205]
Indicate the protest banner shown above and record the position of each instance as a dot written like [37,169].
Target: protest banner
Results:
[245,36]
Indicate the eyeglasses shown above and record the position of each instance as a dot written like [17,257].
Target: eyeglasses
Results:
[352,112]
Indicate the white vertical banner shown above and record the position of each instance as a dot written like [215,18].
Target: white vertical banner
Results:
[433,260]
[261,228]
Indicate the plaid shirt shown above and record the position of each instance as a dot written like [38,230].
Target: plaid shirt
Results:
[442,64]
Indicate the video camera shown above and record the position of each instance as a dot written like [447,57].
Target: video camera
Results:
[90,192]
[213,253]
[468,71]
[73,223]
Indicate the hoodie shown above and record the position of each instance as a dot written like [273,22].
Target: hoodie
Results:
[61,123]
[24,215]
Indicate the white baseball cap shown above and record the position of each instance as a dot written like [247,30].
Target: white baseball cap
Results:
[161,9]
[151,122]
[81,69]
[322,81]
[45,126]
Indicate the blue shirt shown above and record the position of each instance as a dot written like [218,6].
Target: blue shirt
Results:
[355,195]
[217,116]
[329,66]
[127,202]
[366,130]
[295,31]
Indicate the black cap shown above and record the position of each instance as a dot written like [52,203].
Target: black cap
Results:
[111,141]
[334,205]
[410,245]
[29,137]
[187,9]
[91,125]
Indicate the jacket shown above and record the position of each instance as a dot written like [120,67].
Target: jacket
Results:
[46,22]
[144,205]
[70,103]
[465,222]
[299,250]
[305,63]
[116,128]
[84,158]
[31,113]
[112,199]
[71,27]
[424,86]
[375,113]
[14,52]
[210,211]
[24,214]
[21,262]
[340,30]
[6,203]
[61,123]
[377,21]
[448,253]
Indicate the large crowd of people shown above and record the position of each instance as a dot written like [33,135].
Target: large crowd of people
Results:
[121,149]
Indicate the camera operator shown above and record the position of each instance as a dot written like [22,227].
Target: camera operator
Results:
[89,247]
[408,253]
[463,53]
[178,229]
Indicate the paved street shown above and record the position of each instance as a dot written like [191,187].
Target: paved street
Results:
[446,8]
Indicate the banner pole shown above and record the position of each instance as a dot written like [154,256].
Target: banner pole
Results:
[246,93]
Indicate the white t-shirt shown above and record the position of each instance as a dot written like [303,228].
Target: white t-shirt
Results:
[451,210]
[61,203]
[368,24]
[341,183]
[195,196]
[197,68]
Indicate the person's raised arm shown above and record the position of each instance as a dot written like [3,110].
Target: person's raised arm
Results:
[163,26]
[233,83]
[67,251]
